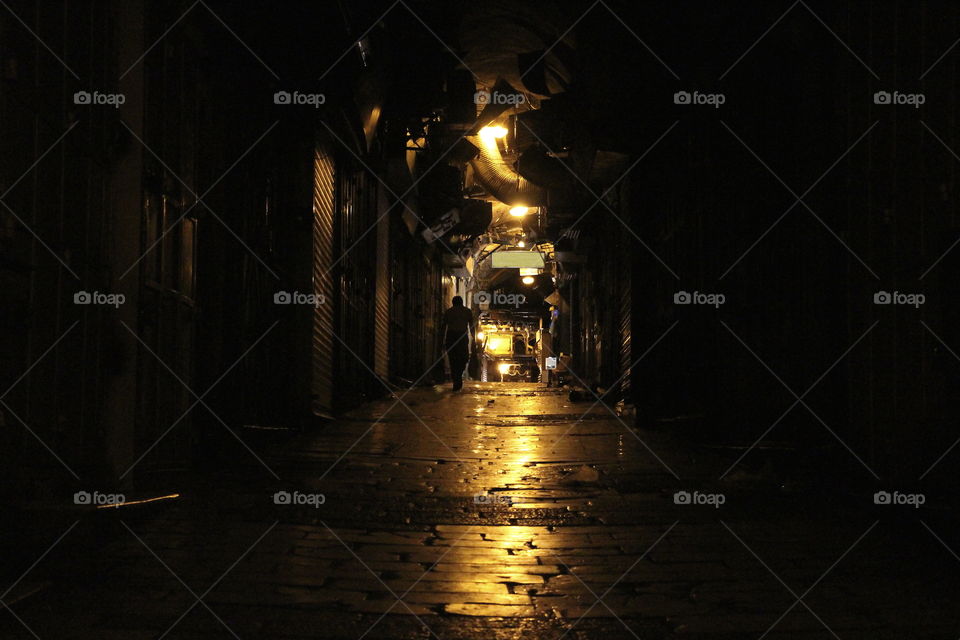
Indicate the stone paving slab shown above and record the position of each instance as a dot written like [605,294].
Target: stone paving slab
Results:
[522,515]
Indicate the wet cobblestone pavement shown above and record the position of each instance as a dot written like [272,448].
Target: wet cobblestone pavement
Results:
[505,511]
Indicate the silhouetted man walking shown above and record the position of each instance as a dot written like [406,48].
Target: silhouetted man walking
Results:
[458,327]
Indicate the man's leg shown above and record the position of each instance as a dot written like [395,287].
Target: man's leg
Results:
[458,361]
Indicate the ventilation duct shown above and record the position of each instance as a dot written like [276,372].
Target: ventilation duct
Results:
[500,179]
[529,44]
[536,165]
[494,107]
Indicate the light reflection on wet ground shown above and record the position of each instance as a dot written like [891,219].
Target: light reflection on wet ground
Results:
[505,511]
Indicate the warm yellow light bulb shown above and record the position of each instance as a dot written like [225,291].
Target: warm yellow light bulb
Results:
[519,211]
[493,131]
[528,279]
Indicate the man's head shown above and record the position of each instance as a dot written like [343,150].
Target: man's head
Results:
[457,301]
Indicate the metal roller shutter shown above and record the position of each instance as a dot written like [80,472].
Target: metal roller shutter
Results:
[382,313]
[323,325]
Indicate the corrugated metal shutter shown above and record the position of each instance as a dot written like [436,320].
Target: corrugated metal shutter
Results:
[69,200]
[433,306]
[382,313]
[620,315]
[404,366]
[355,273]
[624,329]
[168,321]
[417,305]
[323,327]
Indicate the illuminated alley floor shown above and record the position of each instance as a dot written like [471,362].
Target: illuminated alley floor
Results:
[505,511]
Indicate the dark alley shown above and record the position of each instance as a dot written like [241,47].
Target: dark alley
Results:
[411,319]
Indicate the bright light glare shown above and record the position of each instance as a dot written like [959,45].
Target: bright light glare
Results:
[499,345]
[519,211]
[528,279]
[491,132]
[521,244]
[503,368]
[479,335]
